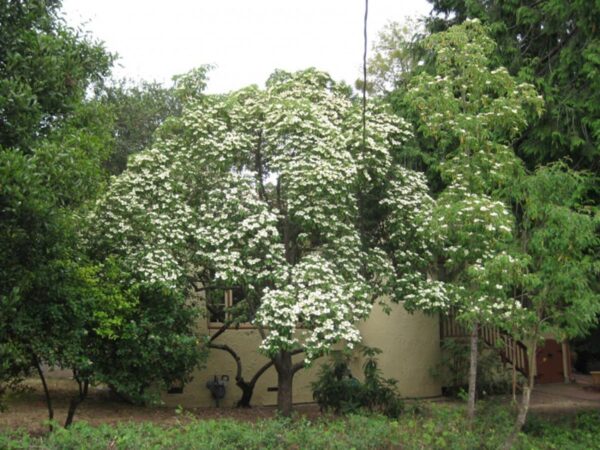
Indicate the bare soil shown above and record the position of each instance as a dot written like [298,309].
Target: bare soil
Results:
[27,409]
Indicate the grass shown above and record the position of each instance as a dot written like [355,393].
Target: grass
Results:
[424,426]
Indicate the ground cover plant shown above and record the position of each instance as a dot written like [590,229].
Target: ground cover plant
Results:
[432,426]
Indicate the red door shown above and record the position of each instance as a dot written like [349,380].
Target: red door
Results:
[549,362]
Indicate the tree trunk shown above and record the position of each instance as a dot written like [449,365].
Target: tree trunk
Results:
[525,399]
[285,376]
[566,360]
[514,374]
[247,387]
[76,401]
[473,373]
[36,362]
[247,392]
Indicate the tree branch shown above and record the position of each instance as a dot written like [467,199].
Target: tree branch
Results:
[264,368]
[258,166]
[260,371]
[298,366]
[220,331]
[554,51]
[238,361]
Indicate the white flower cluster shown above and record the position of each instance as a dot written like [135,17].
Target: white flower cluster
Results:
[236,235]
[259,189]
[413,240]
[144,218]
[317,308]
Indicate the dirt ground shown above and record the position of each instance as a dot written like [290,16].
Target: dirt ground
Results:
[28,409]
[560,397]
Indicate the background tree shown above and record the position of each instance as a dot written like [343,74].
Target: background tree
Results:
[51,144]
[478,110]
[394,56]
[55,303]
[45,71]
[555,45]
[138,109]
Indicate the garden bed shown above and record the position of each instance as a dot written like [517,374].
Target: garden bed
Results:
[105,423]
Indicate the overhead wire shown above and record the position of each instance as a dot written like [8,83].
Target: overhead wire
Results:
[364,84]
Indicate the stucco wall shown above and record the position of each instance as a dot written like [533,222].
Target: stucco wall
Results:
[410,345]
[244,342]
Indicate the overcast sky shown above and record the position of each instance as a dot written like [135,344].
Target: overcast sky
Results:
[246,40]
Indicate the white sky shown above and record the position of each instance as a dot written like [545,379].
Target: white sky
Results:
[246,40]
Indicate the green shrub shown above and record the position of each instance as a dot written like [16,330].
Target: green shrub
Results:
[493,378]
[337,390]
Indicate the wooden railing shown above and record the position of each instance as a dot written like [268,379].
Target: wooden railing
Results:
[511,351]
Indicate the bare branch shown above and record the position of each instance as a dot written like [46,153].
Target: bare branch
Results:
[238,361]
[220,331]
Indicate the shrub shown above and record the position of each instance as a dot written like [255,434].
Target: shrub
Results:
[337,390]
[493,377]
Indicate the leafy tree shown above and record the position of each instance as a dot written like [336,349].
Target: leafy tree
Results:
[395,56]
[471,112]
[554,44]
[45,71]
[136,339]
[138,110]
[258,189]
[504,231]
[56,305]
[51,148]
[559,232]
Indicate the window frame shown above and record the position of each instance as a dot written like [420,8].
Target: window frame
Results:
[228,303]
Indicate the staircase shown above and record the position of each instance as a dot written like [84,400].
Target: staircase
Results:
[511,351]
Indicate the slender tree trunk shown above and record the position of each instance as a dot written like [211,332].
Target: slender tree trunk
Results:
[76,401]
[40,372]
[285,376]
[247,387]
[525,399]
[514,373]
[473,373]
[565,360]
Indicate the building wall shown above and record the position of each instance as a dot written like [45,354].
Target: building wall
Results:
[245,342]
[410,346]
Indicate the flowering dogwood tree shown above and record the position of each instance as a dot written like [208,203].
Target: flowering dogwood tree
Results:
[258,189]
[473,112]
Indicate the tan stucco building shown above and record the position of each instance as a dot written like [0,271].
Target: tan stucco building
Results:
[410,345]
